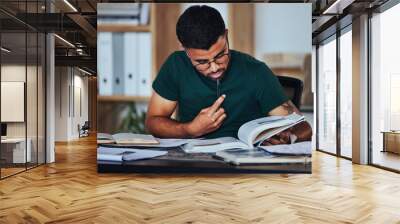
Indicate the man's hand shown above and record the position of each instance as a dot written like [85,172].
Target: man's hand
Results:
[301,131]
[278,139]
[209,119]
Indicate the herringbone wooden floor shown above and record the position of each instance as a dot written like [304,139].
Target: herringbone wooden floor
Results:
[71,191]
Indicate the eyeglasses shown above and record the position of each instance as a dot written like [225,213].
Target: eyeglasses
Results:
[203,65]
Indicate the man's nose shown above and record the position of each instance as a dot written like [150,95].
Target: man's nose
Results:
[214,67]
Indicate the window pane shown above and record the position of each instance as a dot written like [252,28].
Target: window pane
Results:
[385,84]
[41,98]
[14,153]
[345,94]
[327,97]
[31,97]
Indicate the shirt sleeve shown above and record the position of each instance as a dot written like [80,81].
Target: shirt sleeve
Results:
[269,91]
[166,83]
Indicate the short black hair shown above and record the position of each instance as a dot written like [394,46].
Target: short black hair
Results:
[199,27]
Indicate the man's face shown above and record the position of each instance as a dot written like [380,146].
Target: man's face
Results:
[213,62]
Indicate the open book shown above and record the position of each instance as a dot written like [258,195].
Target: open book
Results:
[127,138]
[258,156]
[250,134]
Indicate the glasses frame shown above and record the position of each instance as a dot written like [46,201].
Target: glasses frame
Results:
[214,59]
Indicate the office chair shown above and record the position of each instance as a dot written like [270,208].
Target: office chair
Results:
[84,130]
[293,88]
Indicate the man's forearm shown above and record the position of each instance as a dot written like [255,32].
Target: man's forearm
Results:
[302,131]
[167,128]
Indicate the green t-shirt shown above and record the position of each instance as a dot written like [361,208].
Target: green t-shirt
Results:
[251,90]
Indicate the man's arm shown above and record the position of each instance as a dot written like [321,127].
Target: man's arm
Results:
[302,130]
[158,121]
[160,124]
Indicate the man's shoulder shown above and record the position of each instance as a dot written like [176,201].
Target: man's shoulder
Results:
[177,60]
[250,64]
[246,59]
[176,55]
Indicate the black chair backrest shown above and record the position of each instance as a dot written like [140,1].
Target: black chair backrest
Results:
[86,125]
[293,88]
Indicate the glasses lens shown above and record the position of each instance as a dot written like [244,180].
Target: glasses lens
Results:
[203,66]
[221,59]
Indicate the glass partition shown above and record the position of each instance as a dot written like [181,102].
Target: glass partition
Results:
[326,132]
[385,89]
[346,93]
[22,88]
[14,153]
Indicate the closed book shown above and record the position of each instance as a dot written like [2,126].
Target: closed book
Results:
[126,154]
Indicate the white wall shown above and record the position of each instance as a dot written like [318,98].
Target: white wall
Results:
[282,28]
[80,84]
[61,103]
[70,83]
[12,73]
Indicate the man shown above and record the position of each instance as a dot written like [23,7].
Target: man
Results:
[215,89]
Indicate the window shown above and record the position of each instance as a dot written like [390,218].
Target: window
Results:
[346,93]
[22,75]
[385,87]
[327,96]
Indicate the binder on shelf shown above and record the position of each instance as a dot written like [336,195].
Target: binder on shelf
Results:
[144,14]
[118,13]
[131,64]
[118,62]
[144,62]
[104,63]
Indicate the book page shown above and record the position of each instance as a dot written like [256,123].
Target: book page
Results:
[213,145]
[268,126]
[300,148]
[266,134]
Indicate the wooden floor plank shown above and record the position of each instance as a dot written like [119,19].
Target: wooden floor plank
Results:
[71,191]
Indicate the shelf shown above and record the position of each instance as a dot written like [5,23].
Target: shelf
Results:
[123,98]
[122,28]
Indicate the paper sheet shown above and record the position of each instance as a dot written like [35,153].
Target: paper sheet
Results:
[301,148]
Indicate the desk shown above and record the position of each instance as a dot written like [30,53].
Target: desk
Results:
[176,161]
[17,149]
[391,141]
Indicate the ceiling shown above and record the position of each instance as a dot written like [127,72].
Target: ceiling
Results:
[76,23]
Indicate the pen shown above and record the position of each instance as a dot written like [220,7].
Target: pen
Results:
[218,93]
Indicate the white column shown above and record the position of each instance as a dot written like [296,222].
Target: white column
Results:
[360,90]
[50,92]
[50,100]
